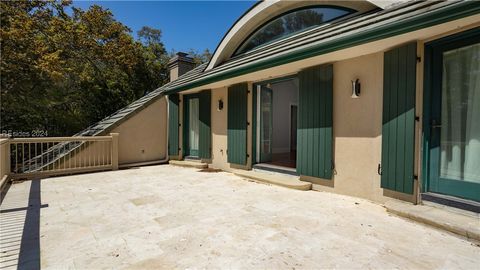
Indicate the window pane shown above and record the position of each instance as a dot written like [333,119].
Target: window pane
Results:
[291,23]
[460,131]
[194,123]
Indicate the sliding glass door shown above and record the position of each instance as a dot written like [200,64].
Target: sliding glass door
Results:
[266,124]
[454,165]
[192,123]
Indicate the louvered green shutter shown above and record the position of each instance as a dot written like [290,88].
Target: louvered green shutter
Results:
[173,147]
[314,133]
[398,130]
[237,124]
[205,136]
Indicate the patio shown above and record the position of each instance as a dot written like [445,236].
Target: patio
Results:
[176,218]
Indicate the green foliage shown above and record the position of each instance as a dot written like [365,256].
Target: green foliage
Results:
[198,57]
[62,72]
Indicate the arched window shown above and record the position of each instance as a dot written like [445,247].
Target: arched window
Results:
[290,23]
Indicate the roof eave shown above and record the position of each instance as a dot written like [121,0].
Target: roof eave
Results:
[449,13]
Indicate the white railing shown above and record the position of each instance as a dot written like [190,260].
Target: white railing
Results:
[47,156]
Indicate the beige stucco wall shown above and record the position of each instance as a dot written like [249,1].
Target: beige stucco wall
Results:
[357,128]
[219,129]
[357,122]
[143,137]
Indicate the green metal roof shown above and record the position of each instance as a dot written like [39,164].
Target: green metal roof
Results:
[357,30]
[360,29]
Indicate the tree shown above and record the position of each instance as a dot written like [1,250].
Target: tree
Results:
[149,35]
[198,57]
[155,57]
[63,72]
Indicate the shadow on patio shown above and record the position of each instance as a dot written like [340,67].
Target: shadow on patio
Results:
[166,217]
[20,228]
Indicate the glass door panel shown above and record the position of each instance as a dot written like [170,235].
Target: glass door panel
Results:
[266,124]
[193,126]
[455,163]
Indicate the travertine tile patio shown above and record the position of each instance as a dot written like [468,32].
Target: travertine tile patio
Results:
[177,218]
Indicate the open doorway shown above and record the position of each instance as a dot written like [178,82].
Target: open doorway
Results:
[276,124]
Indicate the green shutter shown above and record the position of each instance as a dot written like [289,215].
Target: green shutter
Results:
[398,130]
[314,133]
[237,124]
[173,147]
[205,136]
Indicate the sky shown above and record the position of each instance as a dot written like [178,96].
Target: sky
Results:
[185,25]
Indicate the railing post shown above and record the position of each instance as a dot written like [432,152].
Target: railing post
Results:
[8,159]
[114,150]
[4,159]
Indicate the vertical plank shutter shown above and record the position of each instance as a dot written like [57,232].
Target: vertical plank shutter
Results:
[173,146]
[237,124]
[205,136]
[314,133]
[398,125]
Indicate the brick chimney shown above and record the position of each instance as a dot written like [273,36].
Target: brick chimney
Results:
[179,65]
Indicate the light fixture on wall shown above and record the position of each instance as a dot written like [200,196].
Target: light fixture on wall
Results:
[356,88]
[220,105]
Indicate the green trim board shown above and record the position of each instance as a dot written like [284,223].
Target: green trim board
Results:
[396,27]
[173,122]
[315,122]
[277,80]
[237,124]
[254,124]
[432,117]
[398,118]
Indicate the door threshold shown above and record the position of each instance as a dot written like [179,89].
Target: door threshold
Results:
[275,168]
[192,158]
[451,201]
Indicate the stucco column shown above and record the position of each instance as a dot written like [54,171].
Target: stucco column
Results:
[114,150]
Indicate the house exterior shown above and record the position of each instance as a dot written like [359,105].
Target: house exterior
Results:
[375,99]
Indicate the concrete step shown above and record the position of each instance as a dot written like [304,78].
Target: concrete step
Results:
[188,163]
[445,218]
[287,181]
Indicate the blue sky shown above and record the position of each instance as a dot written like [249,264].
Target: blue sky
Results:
[185,24]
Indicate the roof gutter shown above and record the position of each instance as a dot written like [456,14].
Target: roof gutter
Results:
[450,13]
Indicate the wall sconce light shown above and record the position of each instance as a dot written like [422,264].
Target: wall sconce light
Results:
[356,88]
[220,105]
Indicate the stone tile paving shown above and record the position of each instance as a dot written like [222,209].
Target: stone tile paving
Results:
[166,217]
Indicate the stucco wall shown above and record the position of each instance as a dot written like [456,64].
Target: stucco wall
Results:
[357,130]
[357,122]
[143,137]
[219,129]
[357,126]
